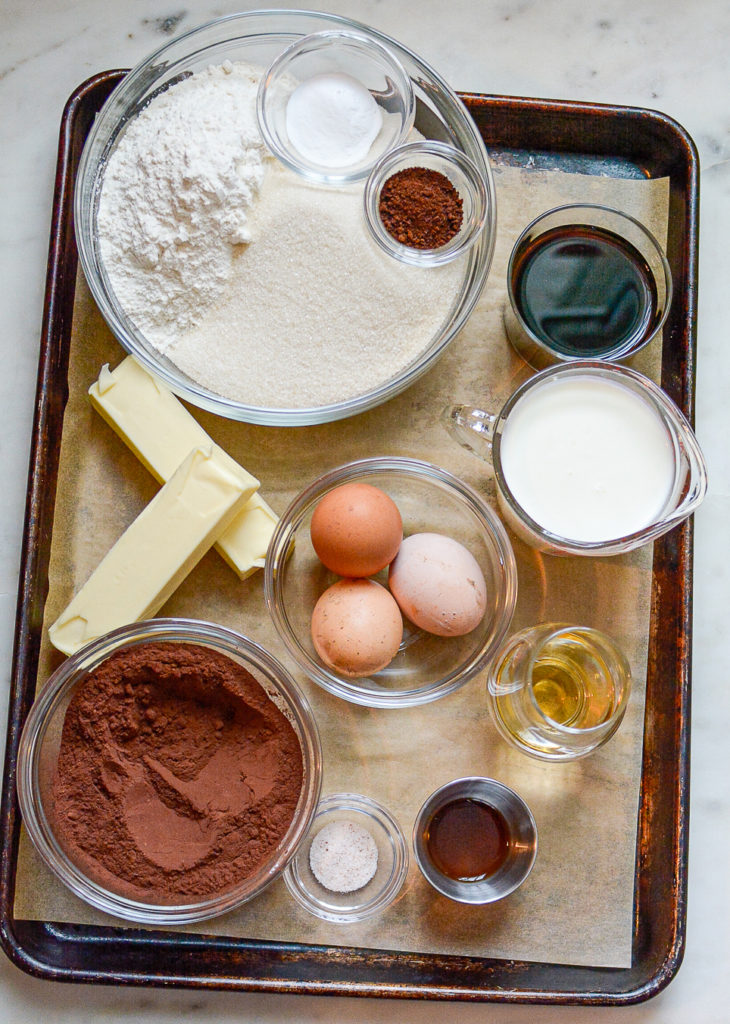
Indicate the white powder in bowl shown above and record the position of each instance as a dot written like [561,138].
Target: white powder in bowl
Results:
[314,312]
[259,286]
[343,856]
[176,193]
[332,120]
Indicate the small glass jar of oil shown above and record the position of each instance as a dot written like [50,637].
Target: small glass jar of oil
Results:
[558,692]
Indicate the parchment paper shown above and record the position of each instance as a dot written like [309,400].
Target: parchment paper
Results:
[576,906]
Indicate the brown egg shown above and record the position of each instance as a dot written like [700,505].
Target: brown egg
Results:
[357,627]
[356,530]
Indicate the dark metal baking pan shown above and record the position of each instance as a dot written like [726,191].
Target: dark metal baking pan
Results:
[577,137]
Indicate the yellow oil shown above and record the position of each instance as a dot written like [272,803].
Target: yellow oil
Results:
[571,684]
[553,691]
[558,693]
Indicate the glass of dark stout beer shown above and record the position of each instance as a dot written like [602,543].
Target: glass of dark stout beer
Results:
[585,282]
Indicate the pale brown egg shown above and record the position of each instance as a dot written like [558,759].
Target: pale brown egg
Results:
[357,627]
[356,530]
[438,584]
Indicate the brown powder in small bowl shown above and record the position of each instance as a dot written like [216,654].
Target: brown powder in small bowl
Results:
[177,776]
[421,208]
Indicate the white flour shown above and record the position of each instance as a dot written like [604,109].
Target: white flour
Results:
[175,198]
[311,312]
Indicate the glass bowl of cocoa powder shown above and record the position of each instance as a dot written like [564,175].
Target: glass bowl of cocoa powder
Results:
[168,772]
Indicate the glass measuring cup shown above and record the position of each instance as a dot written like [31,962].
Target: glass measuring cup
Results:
[558,692]
[662,440]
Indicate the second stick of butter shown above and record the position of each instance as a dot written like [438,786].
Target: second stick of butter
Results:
[157,551]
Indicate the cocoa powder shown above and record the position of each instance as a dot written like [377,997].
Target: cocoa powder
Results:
[420,208]
[177,776]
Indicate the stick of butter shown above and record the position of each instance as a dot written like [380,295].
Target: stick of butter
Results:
[160,431]
[157,550]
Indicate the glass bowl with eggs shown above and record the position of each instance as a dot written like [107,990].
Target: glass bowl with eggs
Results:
[252,291]
[390,581]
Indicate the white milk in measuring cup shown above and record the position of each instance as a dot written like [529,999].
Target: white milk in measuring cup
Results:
[589,458]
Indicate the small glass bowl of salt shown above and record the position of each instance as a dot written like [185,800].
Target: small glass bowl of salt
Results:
[333,103]
[353,862]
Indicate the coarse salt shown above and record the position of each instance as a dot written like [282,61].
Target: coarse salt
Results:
[343,856]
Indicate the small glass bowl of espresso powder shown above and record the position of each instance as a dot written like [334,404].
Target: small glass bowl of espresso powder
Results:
[475,840]
[425,203]
[168,771]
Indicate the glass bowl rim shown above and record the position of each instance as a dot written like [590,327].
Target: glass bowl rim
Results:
[361,805]
[626,349]
[300,165]
[463,240]
[461,125]
[557,630]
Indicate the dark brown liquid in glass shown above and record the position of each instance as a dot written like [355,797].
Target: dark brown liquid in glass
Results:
[585,291]
[467,840]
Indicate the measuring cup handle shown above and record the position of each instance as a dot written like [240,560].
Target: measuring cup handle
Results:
[472,428]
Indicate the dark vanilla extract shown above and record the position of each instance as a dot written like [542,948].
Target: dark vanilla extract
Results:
[585,291]
[467,840]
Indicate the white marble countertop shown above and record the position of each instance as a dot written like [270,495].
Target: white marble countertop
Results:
[663,54]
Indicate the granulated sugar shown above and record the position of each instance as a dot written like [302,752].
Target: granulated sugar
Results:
[314,312]
[343,856]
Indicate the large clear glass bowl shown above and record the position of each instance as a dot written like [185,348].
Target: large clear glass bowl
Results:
[258,37]
[39,749]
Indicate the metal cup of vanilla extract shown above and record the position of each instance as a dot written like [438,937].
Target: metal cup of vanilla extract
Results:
[475,840]
[585,282]
[558,692]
